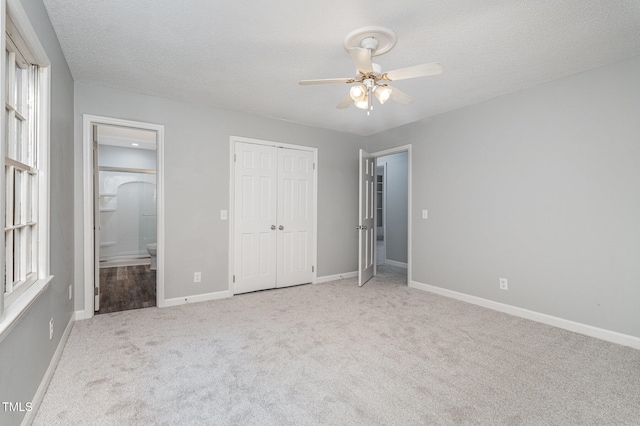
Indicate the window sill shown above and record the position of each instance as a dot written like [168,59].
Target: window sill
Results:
[19,307]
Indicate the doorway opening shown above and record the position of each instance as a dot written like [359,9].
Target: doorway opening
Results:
[385,215]
[126,218]
[123,221]
[392,205]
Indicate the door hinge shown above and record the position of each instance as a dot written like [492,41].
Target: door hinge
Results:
[96,291]
[234,278]
[314,166]
[235,158]
[313,269]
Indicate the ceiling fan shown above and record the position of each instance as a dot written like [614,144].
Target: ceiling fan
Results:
[362,45]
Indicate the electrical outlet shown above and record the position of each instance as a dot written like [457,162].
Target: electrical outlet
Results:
[51,329]
[503,284]
[197,277]
[70,291]
[223,215]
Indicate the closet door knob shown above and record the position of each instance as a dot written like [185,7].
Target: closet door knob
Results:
[273,227]
[281,227]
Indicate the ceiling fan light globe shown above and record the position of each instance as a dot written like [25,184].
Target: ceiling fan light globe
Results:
[358,93]
[382,93]
[363,103]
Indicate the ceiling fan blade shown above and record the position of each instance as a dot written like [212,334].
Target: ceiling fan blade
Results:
[326,81]
[399,96]
[423,70]
[362,58]
[345,102]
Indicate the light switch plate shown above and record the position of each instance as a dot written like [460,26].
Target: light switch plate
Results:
[425,214]
[223,215]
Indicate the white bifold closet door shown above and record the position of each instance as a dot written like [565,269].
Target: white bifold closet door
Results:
[273,217]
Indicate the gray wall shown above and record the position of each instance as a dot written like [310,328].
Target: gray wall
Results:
[540,187]
[26,352]
[197,184]
[397,195]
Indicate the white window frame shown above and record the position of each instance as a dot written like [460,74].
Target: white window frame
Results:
[14,304]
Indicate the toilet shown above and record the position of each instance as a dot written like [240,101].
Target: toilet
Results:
[152,248]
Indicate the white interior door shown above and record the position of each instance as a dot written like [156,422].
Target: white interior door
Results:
[295,217]
[255,217]
[366,239]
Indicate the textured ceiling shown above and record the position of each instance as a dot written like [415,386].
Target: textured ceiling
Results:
[249,55]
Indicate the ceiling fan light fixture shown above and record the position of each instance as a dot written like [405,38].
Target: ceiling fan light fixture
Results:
[358,93]
[383,93]
[363,103]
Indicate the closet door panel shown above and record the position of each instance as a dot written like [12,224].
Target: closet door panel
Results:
[255,206]
[295,218]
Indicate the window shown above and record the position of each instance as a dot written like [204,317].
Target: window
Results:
[24,157]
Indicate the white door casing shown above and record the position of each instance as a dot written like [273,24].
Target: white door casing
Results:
[366,227]
[274,216]
[255,217]
[396,150]
[89,238]
[96,221]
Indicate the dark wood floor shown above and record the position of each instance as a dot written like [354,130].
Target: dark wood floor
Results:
[127,287]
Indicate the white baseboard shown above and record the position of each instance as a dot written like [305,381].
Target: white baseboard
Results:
[336,277]
[395,263]
[588,330]
[48,375]
[83,315]
[197,298]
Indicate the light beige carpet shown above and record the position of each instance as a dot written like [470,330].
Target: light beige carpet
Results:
[337,354]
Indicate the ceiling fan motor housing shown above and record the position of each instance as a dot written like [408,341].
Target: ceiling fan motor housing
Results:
[370,43]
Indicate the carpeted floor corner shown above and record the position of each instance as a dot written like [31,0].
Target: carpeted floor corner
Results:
[335,353]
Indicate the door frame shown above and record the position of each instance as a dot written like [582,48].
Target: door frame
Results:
[88,121]
[231,216]
[390,151]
